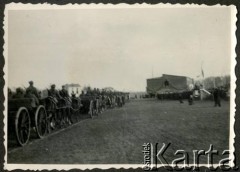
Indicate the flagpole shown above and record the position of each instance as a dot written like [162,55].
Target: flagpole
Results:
[203,86]
[202,75]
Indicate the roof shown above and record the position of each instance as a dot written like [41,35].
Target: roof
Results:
[72,85]
[109,89]
[167,75]
[174,83]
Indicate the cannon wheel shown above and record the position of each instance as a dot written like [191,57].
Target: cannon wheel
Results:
[22,126]
[91,109]
[41,121]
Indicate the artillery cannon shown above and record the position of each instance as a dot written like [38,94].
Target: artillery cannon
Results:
[24,114]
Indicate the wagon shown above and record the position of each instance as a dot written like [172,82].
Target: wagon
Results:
[24,115]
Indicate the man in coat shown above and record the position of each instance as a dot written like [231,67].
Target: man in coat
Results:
[54,93]
[216,97]
[64,92]
[32,92]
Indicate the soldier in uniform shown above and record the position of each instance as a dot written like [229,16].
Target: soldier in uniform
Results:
[10,93]
[32,92]
[216,96]
[19,93]
[54,93]
[190,99]
[64,92]
[123,99]
[180,98]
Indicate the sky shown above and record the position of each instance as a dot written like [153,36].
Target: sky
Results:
[117,47]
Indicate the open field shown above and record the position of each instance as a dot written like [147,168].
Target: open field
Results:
[117,135]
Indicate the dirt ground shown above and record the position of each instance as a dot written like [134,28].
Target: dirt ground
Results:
[117,135]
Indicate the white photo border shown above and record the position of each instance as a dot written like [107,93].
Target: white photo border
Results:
[46,6]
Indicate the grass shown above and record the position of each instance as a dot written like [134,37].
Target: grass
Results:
[117,135]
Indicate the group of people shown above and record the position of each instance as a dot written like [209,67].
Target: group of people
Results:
[57,95]
[32,92]
[216,97]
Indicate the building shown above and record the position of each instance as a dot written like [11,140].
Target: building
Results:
[168,84]
[73,89]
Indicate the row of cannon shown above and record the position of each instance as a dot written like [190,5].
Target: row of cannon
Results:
[49,114]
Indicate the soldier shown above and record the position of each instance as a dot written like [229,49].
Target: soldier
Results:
[190,99]
[64,92]
[32,92]
[54,93]
[123,99]
[73,95]
[10,94]
[216,96]
[82,94]
[180,98]
[19,93]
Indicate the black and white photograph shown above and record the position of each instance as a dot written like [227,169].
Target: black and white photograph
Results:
[110,86]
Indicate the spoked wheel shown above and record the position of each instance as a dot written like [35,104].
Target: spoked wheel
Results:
[91,109]
[41,121]
[22,126]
